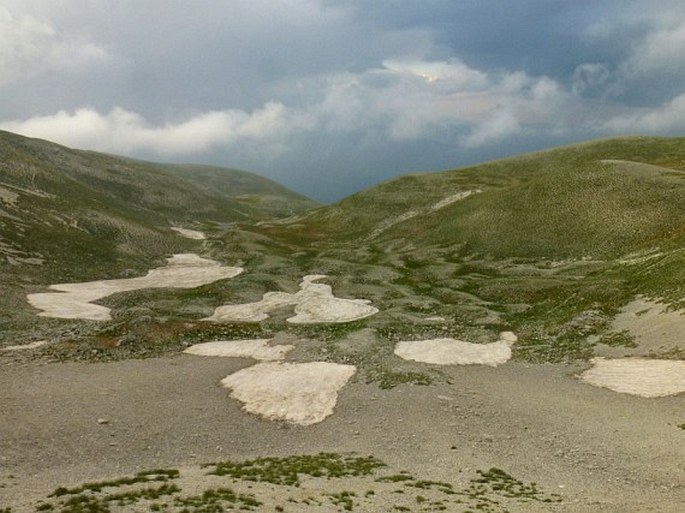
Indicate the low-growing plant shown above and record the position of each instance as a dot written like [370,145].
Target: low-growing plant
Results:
[618,339]
[287,471]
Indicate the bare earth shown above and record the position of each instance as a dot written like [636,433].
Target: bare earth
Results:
[64,424]
[602,451]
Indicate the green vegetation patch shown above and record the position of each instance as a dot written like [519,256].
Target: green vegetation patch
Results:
[497,480]
[287,471]
[618,339]
[146,476]
[275,484]
[217,501]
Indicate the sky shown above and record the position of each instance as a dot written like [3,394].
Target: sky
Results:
[328,97]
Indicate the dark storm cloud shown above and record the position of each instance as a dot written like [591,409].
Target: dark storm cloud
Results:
[328,96]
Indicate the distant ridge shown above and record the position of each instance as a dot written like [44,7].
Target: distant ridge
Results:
[599,198]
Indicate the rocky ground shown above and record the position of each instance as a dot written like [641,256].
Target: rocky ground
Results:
[70,423]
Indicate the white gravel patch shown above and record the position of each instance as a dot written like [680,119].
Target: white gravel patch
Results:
[74,300]
[450,351]
[299,393]
[314,303]
[454,198]
[259,349]
[189,234]
[637,376]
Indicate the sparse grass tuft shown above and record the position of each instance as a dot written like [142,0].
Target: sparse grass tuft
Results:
[286,471]
[620,339]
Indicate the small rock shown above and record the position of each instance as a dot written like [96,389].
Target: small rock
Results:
[103,421]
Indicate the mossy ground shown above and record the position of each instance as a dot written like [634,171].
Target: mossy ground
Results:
[343,482]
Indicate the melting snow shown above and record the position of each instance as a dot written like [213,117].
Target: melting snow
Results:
[314,303]
[637,376]
[449,351]
[300,393]
[74,300]
[258,349]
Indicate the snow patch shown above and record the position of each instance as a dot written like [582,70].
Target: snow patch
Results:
[74,300]
[189,234]
[259,349]
[450,351]
[299,393]
[314,303]
[388,223]
[637,376]
[22,347]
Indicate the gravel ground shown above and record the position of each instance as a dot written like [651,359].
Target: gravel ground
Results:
[64,424]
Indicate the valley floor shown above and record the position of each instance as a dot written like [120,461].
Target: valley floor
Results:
[70,423]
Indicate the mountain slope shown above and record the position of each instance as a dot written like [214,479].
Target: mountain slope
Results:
[70,215]
[257,196]
[550,245]
[603,198]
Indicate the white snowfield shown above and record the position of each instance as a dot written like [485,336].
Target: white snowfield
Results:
[637,376]
[74,300]
[258,349]
[299,393]
[450,351]
[314,303]
[189,234]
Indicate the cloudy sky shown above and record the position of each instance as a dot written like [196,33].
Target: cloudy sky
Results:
[330,96]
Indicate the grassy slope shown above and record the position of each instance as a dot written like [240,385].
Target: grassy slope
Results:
[70,215]
[553,246]
[257,196]
[565,202]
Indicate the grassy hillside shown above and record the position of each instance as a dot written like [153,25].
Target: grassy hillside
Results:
[70,215]
[256,196]
[596,199]
[548,244]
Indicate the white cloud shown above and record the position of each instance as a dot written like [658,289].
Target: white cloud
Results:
[661,50]
[127,132]
[669,117]
[402,100]
[453,72]
[30,46]
[405,99]
[499,125]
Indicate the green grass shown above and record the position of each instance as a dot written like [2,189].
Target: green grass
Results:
[270,482]
[554,245]
[618,339]
[147,476]
[217,501]
[287,471]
